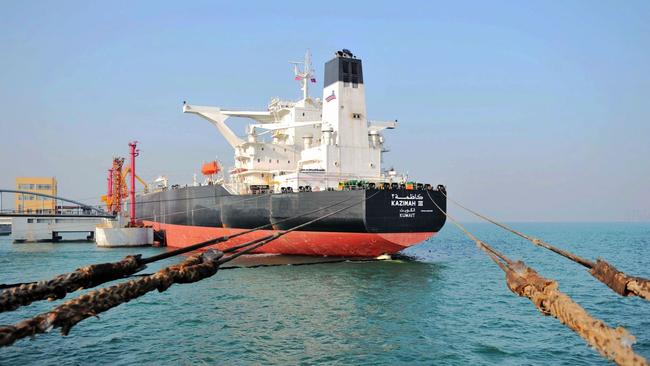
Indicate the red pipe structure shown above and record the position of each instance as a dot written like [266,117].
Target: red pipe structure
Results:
[134,152]
[109,194]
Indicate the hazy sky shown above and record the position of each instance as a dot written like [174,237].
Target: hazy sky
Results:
[526,111]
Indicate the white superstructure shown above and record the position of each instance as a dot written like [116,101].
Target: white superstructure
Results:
[312,144]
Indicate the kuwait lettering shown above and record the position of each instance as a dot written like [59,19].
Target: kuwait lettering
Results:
[409,202]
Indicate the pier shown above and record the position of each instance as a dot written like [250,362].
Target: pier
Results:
[51,225]
[52,228]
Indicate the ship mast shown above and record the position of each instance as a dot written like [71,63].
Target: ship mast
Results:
[305,76]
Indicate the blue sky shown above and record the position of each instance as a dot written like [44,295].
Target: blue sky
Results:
[525,110]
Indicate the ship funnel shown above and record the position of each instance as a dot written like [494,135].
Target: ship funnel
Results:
[343,68]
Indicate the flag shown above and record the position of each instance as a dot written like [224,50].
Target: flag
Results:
[298,78]
[313,80]
[331,97]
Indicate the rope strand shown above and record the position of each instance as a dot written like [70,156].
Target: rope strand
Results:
[482,245]
[86,277]
[613,344]
[195,268]
[616,280]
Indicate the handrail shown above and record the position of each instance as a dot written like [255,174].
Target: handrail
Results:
[83,205]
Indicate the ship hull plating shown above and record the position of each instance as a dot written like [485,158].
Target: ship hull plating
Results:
[383,221]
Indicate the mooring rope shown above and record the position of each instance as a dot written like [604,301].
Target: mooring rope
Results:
[195,268]
[616,280]
[90,276]
[66,315]
[613,344]
[59,286]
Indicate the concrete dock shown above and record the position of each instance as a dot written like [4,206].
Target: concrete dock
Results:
[114,234]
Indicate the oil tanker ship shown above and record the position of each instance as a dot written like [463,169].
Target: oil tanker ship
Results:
[298,157]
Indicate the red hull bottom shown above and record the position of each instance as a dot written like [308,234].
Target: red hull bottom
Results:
[314,243]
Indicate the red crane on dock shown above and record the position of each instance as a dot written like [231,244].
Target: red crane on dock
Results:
[118,189]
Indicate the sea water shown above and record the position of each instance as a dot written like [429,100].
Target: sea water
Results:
[449,306]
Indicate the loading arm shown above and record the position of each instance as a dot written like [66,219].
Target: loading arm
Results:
[127,171]
[217,118]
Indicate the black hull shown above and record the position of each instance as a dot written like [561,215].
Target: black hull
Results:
[384,211]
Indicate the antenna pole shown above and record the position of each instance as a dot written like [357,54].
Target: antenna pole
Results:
[306,75]
[134,153]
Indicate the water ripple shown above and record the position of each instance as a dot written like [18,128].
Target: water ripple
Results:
[449,307]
